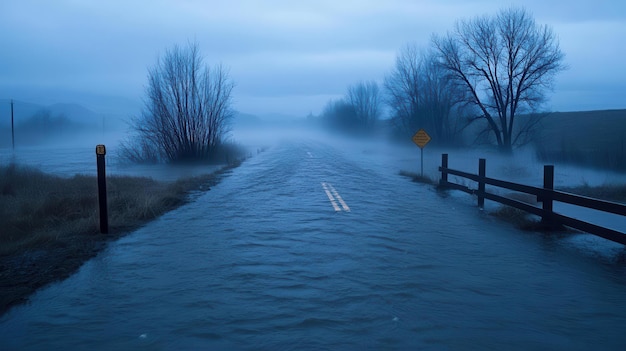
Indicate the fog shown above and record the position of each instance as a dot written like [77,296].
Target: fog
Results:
[295,108]
[82,82]
[256,133]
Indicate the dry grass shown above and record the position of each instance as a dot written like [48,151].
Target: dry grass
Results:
[49,225]
[417,178]
[33,204]
[519,218]
[40,209]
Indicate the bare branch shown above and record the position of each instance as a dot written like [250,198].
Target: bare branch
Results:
[504,63]
[421,95]
[187,108]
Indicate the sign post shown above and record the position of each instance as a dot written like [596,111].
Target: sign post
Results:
[421,138]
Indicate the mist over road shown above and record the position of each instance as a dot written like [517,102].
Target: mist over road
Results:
[312,245]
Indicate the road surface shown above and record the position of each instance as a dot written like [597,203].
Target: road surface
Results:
[314,246]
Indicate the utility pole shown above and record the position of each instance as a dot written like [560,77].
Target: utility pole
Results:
[12,127]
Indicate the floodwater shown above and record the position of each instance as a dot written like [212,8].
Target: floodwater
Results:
[316,246]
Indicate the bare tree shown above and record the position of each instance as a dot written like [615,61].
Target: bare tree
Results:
[187,109]
[504,63]
[357,112]
[340,115]
[422,96]
[365,99]
[403,86]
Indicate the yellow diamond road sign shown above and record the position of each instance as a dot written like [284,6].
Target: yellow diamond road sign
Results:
[421,138]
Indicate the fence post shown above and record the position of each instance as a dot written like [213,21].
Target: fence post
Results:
[481,182]
[102,189]
[444,174]
[548,183]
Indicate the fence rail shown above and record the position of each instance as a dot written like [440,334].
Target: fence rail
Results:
[546,195]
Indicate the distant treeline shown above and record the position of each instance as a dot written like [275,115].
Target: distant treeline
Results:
[491,72]
[484,82]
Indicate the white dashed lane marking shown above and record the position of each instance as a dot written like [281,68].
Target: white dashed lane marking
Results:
[335,198]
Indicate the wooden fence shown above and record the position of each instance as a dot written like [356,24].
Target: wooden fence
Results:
[546,195]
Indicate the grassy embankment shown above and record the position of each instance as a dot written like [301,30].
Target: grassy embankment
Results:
[49,225]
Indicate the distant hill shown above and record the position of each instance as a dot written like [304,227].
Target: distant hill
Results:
[593,138]
[580,123]
[38,124]
[77,113]
[22,111]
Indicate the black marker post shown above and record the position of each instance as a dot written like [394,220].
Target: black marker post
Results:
[102,189]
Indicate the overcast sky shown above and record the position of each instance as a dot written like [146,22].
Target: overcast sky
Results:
[288,57]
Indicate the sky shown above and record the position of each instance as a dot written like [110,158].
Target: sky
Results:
[286,57]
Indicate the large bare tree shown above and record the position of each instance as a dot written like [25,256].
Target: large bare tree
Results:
[505,63]
[187,109]
[421,95]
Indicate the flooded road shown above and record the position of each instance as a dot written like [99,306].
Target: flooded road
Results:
[313,246]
